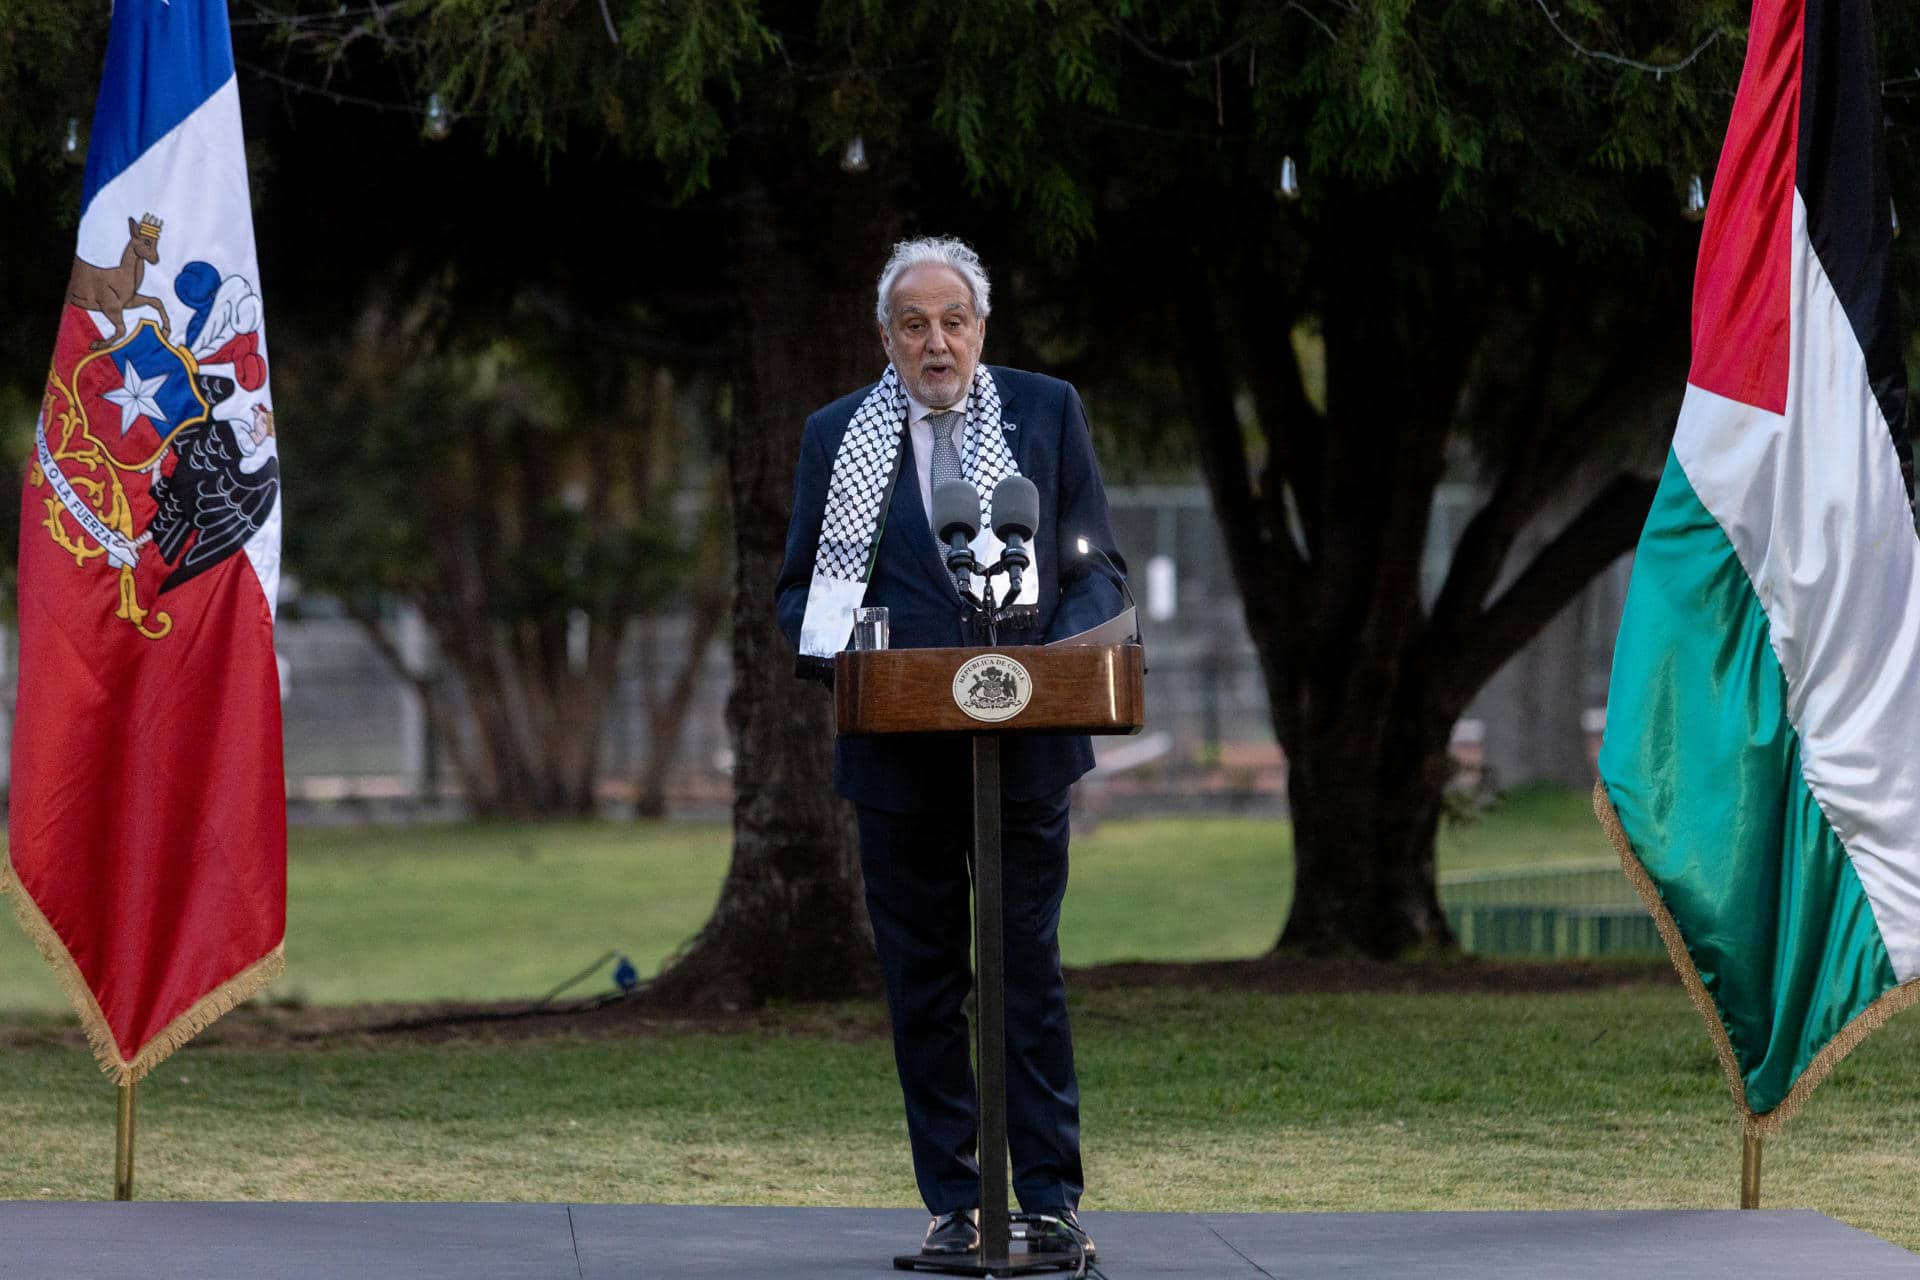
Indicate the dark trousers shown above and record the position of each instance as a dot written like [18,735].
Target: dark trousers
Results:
[918,868]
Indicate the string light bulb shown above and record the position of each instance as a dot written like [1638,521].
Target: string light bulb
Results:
[1286,185]
[854,158]
[439,120]
[1695,209]
[72,143]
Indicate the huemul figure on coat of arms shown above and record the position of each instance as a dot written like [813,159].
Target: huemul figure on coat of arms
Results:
[158,451]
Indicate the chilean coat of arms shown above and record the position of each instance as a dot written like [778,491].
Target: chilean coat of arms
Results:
[992,687]
[155,447]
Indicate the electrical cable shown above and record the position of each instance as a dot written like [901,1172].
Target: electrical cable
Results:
[626,980]
[1048,1224]
[577,978]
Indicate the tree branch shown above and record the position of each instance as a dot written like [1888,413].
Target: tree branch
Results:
[1288,420]
[1640,373]
[1658,68]
[1204,62]
[1482,553]
[666,720]
[1254,550]
[1604,530]
[439,719]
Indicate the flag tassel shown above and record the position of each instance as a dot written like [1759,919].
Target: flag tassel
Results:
[1754,1125]
[123,1142]
[236,991]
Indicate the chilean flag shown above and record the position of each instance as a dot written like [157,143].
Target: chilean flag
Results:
[1762,753]
[147,833]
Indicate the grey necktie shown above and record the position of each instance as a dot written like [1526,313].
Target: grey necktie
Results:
[946,460]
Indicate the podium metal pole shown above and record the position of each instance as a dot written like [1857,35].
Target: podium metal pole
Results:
[990,992]
[995,1256]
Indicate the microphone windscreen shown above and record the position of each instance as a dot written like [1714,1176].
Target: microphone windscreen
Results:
[956,505]
[1016,508]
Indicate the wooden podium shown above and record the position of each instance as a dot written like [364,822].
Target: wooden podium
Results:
[989,693]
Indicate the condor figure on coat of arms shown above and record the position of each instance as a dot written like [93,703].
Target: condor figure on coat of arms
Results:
[159,453]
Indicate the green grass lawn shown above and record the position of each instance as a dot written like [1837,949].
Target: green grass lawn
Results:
[1193,1101]
[1220,1101]
[512,911]
[1527,826]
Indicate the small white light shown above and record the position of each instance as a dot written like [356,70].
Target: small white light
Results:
[1287,186]
[854,158]
[1082,544]
[1695,209]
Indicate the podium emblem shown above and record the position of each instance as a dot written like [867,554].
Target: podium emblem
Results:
[992,687]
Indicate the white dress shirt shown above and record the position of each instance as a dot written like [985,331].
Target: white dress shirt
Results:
[986,546]
[922,433]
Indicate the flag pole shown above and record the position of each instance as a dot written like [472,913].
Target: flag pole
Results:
[123,1144]
[1750,1170]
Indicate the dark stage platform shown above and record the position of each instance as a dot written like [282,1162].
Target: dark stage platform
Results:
[142,1241]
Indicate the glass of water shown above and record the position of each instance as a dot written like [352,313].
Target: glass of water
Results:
[870,628]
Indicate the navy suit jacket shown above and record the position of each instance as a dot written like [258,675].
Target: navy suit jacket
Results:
[1046,428]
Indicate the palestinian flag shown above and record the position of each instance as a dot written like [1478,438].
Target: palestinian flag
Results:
[147,851]
[1762,751]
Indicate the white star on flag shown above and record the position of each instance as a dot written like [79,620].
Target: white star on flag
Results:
[135,397]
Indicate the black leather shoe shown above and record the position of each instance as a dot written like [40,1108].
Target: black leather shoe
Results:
[952,1233]
[1068,1237]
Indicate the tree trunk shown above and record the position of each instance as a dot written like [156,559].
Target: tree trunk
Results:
[531,746]
[667,717]
[710,597]
[791,922]
[1366,803]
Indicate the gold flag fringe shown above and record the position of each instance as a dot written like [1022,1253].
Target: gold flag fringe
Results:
[1863,1024]
[235,991]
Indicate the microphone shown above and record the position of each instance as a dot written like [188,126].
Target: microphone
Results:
[1016,511]
[956,518]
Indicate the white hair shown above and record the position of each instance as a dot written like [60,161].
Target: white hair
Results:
[944,251]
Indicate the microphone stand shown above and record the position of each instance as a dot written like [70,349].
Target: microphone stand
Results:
[983,618]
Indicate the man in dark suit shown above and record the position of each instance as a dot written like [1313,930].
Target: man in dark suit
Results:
[861,535]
